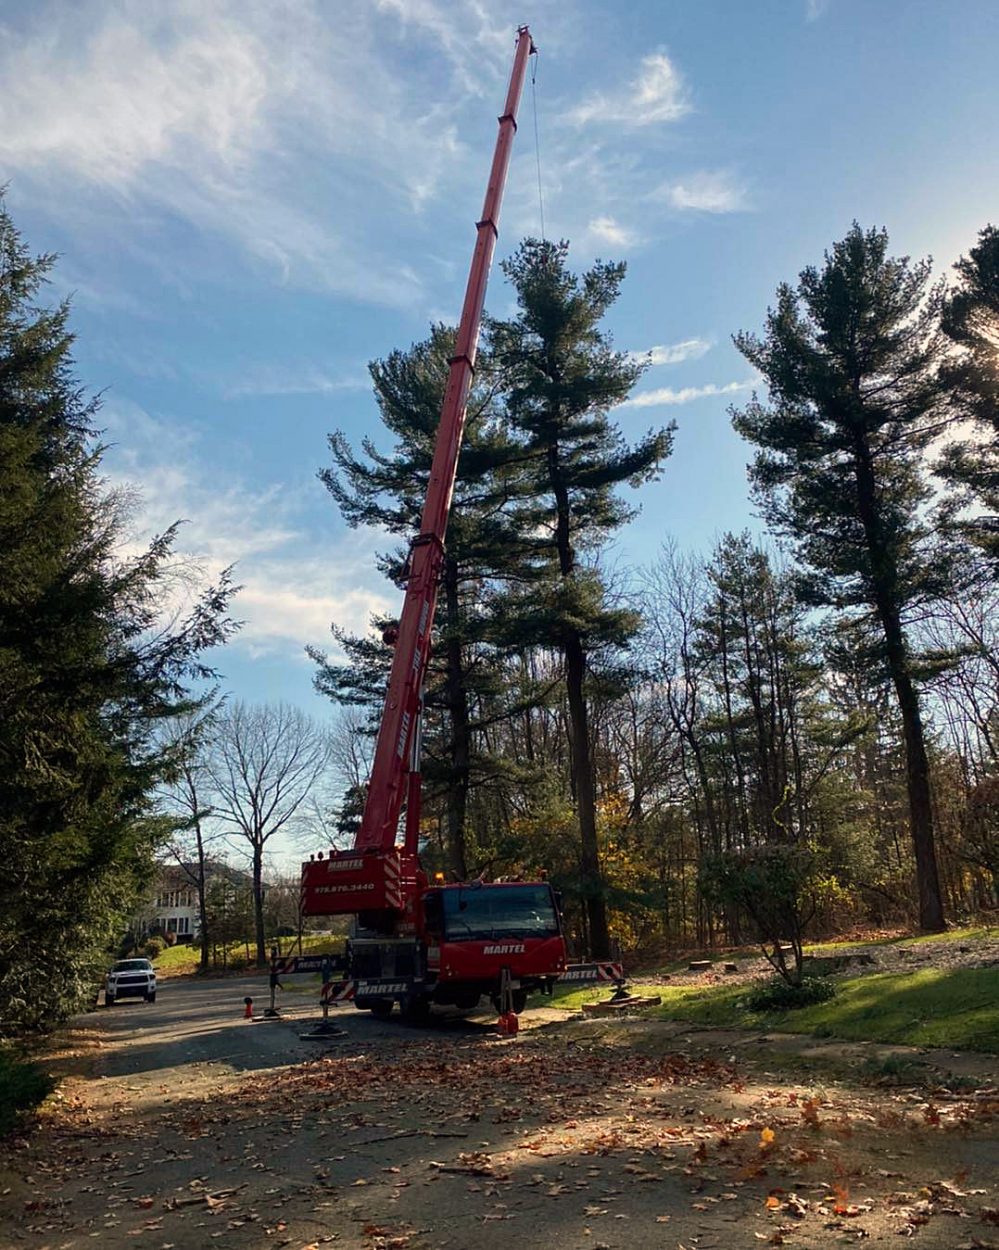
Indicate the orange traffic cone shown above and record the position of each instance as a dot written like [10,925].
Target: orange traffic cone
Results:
[248,1013]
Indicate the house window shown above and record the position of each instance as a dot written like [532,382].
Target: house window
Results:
[184,924]
[171,925]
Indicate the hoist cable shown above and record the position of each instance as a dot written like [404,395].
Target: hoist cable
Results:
[537,143]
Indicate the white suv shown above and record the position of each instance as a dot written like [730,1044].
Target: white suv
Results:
[130,978]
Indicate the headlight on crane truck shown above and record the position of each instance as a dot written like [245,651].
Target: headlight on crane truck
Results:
[412,942]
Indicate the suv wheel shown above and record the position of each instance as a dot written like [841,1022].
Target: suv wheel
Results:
[108,1000]
[151,998]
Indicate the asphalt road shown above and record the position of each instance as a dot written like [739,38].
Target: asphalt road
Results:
[195,1022]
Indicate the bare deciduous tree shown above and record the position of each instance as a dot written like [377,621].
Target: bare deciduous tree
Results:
[266,761]
[186,796]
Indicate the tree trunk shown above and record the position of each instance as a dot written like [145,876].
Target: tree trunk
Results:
[917,777]
[593,883]
[579,734]
[258,903]
[742,811]
[917,771]
[457,701]
[202,898]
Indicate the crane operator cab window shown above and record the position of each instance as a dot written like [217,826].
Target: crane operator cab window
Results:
[466,912]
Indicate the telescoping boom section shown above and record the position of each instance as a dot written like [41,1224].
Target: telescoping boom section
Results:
[454,942]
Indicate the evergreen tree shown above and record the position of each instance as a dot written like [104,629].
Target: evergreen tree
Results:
[388,490]
[560,377]
[87,670]
[852,361]
[971,321]
[756,646]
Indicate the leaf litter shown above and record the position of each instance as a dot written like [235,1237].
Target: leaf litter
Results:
[352,1148]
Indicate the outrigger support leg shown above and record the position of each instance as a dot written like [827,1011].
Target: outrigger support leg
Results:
[620,990]
[273,1012]
[325,1027]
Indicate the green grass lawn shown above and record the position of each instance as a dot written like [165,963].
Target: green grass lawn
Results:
[972,935]
[956,1008]
[177,960]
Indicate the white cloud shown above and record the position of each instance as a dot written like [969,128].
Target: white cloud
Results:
[704,191]
[124,99]
[275,126]
[289,603]
[470,37]
[814,9]
[675,353]
[607,230]
[293,584]
[291,380]
[656,94]
[667,395]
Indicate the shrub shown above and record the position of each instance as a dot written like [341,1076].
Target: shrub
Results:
[779,995]
[772,884]
[22,1086]
[153,948]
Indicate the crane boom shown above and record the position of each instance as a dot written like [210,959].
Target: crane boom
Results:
[445,944]
[388,782]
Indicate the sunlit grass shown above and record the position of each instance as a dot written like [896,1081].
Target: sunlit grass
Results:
[956,1008]
[978,933]
[178,960]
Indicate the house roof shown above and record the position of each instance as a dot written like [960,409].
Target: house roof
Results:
[175,876]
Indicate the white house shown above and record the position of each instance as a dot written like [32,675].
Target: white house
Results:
[172,908]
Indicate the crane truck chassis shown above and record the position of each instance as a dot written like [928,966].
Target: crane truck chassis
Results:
[413,942]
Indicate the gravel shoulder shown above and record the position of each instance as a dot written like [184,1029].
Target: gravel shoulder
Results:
[181,1125]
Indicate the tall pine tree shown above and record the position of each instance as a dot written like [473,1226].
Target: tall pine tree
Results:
[388,489]
[852,360]
[971,321]
[87,669]
[560,377]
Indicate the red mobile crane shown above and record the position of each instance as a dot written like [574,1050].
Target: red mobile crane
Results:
[414,943]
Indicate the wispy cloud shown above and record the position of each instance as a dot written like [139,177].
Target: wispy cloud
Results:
[814,9]
[668,396]
[292,589]
[656,94]
[704,191]
[292,380]
[241,120]
[675,353]
[607,230]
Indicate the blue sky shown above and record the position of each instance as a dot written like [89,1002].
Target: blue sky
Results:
[252,200]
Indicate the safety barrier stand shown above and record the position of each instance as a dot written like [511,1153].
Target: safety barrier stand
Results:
[324,964]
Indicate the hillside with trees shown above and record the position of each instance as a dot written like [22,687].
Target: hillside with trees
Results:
[826,693]
[810,713]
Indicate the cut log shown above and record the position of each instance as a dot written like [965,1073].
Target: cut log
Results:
[699,965]
[615,1006]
